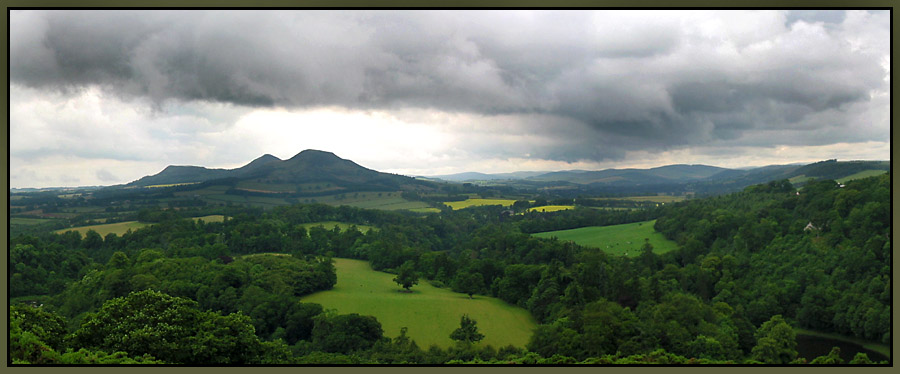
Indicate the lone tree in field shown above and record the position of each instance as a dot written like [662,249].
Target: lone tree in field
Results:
[467,331]
[407,276]
[468,283]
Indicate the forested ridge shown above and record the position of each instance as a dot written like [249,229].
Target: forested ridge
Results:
[750,265]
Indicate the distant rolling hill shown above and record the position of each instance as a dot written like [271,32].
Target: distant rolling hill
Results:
[658,175]
[679,178]
[269,174]
[313,173]
[800,174]
[474,176]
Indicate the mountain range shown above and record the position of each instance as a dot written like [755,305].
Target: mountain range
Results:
[269,174]
[681,173]
[329,173]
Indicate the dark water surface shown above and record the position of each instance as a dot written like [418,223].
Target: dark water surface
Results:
[810,347]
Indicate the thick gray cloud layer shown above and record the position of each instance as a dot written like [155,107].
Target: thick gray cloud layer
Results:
[600,84]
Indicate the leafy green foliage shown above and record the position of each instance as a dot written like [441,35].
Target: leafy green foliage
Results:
[467,331]
[776,342]
[468,283]
[345,333]
[47,326]
[407,275]
[169,328]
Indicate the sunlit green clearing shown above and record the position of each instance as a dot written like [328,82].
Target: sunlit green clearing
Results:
[429,313]
[625,240]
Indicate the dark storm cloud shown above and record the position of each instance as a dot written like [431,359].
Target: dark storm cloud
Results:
[630,80]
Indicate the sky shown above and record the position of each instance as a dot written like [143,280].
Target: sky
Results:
[104,97]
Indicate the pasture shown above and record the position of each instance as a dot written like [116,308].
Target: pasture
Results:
[425,210]
[210,218]
[390,200]
[265,187]
[429,313]
[651,198]
[860,175]
[117,228]
[254,201]
[799,179]
[551,208]
[624,240]
[386,203]
[170,185]
[120,228]
[23,221]
[457,205]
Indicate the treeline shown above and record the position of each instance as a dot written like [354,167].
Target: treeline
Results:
[820,256]
[582,217]
[151,327]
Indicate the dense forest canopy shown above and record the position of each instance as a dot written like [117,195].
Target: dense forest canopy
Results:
[749,268]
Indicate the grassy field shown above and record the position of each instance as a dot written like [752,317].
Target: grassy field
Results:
[13,221]
[877,347]
[654,198]
[384,202]
[799,179]
[117,228]
[256,201]
[389,200]
[120,228]
[329,225]
[85,209]
[551,208]
[623,240]
[266,187]
[860,175]
[211,218]
[170,185]
[425,210]
[212,190]
[429,313]
[456,205]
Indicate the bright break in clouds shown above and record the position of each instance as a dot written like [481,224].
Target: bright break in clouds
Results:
[102,97]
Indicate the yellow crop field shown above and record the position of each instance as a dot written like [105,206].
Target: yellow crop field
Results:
[456,205]
[551,208]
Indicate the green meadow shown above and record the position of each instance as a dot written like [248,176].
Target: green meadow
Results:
[652,198]
[860,175]
[120,228]
[13,221]
[117,228]
[622,240]
[429,313]
[210,218]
